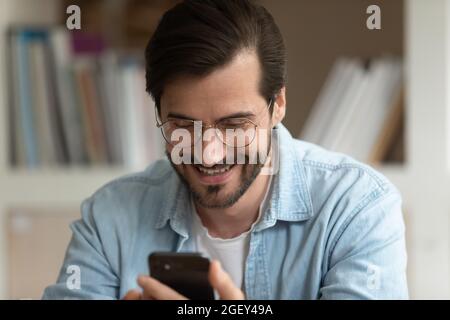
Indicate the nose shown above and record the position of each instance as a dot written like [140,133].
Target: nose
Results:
[214,150]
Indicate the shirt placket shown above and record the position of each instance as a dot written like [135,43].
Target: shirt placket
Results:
[256,276]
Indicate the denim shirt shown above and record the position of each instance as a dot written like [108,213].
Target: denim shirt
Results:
[333,229]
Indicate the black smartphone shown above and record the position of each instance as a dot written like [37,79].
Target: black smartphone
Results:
[186,273]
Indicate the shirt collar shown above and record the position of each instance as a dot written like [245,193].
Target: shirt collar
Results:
[290,199]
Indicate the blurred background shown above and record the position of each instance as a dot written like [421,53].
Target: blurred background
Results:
[74,115]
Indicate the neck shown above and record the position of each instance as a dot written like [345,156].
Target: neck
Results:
[233,221]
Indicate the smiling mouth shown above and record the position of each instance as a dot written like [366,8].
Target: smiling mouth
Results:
[214,171]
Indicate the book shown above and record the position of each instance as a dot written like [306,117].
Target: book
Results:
[322,111]
[109,82]
[70,117]
[357,110]
[16,141]
[41,104]
[25,103]
[378,110]
[74,102]
[390,131]
[353,141]
[344,107]
[88,110]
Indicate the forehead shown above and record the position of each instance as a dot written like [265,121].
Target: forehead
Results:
[228,89]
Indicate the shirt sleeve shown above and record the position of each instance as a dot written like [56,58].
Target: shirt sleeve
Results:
[368,258]
[86,272]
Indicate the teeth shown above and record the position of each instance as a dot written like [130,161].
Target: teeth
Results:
[213,172]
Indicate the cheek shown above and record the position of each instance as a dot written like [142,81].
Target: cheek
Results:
[262,140]
[169,148]
[178,154]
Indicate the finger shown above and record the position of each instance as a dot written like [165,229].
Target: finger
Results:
[133,295]
[153,289]
[221,281]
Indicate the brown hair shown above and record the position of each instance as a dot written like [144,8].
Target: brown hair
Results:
[198,36]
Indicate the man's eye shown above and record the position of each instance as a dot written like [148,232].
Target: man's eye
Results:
[235,123]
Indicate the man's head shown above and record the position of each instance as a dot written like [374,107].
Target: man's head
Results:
[218,61]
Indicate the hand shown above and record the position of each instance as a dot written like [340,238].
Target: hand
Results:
[152,289]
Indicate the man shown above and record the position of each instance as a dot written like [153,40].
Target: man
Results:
[304,223]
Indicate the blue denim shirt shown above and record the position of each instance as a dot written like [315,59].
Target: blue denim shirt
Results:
[333,229]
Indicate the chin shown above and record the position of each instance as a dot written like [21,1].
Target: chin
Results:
[213,195]
[221,195]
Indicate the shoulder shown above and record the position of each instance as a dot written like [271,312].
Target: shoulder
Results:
[339,173]
[341,187]
[132,199]
[356,204]
[152,178]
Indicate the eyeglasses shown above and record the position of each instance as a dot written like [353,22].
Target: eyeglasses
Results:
[233,132]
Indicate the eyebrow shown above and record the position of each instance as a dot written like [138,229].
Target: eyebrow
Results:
[179,116]
[231,116]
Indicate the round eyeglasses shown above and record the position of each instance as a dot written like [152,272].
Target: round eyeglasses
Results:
[236,132]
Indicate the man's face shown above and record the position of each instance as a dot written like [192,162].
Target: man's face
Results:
[228,93]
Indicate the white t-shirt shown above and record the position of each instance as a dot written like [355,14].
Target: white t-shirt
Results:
[232,253]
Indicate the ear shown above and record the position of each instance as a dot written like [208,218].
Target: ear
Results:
[279,108]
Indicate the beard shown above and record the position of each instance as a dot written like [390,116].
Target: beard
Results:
[210,196]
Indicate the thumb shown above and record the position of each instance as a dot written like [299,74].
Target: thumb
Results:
[221,281]
[133,295]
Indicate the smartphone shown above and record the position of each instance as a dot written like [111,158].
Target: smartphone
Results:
[186,273]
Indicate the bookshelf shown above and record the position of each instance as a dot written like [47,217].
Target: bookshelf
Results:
[42,188]
[423,178]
